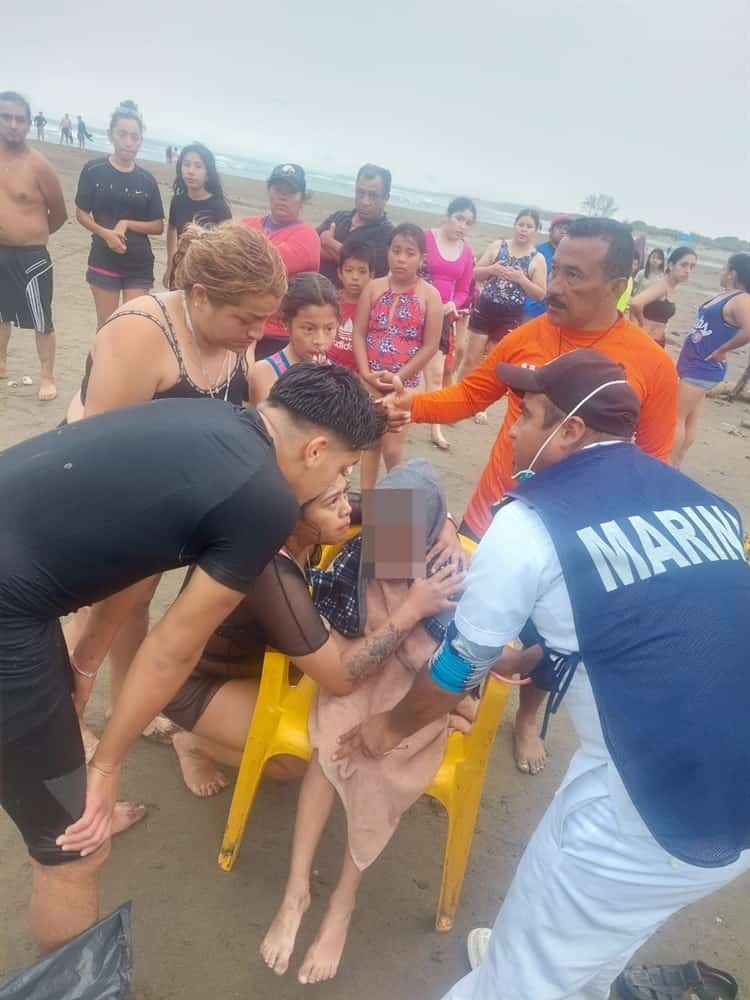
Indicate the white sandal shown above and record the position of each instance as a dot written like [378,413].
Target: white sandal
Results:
[477,943]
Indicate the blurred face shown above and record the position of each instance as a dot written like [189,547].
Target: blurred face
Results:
[655,262]
[369,198]
[126,138]
[636,265]
[682,270]
[326,519]
[14,123]
[557,232]
[404,258]
[193,172]
[312,331]
[285,203]
[524,230]
[234,327]
[579,292]
[529,433]
[354,276]
[458,225]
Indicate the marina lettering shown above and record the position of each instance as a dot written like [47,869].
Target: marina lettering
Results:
[636,549]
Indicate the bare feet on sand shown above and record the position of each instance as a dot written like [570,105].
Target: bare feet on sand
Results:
[324,954]
[529,749]
[125,815]
[278,944]
[47,390]
[199,773]
[159,730]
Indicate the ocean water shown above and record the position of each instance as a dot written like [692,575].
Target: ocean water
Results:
[238,165]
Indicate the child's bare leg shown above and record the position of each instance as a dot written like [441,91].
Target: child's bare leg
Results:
[324,954]
[316,800]
[393,448]
[370,467]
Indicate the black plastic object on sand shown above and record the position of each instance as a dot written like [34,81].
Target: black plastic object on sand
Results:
[97,965]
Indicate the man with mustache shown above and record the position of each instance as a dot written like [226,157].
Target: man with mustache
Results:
[589,273]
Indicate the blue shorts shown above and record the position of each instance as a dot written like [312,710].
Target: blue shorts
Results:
[118,282]
[700,383]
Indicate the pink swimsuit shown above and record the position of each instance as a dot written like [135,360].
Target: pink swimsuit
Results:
[395,332]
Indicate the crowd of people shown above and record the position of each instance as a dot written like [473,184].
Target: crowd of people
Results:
[338,338]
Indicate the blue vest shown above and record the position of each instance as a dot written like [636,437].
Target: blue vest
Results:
[660,593]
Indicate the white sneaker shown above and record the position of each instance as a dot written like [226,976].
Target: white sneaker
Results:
[477,943]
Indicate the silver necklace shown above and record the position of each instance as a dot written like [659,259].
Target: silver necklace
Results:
[191,330]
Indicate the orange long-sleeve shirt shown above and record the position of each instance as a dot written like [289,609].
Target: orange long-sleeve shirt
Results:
[650,371]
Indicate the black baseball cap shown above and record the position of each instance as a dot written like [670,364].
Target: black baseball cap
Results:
[291,174]
[566,381]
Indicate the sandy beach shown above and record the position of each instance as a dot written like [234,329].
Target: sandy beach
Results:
[197,930]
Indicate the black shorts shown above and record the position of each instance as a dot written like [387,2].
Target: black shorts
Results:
[26,288]
[43,783]
[494,319]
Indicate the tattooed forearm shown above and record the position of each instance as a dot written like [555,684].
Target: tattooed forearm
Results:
[376,648]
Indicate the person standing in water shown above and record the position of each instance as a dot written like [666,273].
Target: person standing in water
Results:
[66,130]
[32,207]
[722,325]
[198,197]
[120,205]
[655,306]
[83,133]
[449,266]
[40,122]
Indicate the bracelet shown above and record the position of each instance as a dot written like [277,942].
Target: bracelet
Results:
[78,670]
[451,518]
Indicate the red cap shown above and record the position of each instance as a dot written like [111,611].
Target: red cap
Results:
[557,219]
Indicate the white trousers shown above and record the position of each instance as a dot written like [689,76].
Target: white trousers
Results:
[585,897]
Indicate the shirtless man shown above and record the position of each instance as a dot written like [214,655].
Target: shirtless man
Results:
[32,207]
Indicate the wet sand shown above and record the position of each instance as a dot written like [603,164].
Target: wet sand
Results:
[197,930]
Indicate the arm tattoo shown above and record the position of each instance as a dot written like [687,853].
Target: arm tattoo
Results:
[377,647]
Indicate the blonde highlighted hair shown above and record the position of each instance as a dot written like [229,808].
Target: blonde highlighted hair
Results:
[229,261]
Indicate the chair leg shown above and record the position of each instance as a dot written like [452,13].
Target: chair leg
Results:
[462,816]
[248,779]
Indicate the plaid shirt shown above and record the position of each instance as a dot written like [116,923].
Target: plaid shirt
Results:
[335,593]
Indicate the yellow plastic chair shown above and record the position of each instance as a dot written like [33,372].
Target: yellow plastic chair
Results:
[279,726]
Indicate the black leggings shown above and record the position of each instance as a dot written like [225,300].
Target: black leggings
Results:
[43,783]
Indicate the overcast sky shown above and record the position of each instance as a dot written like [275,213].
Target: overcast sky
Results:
[539,102]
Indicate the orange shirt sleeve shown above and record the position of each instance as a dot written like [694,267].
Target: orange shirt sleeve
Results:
[457,402]
[655,431]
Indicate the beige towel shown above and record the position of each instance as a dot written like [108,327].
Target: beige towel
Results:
[376,793]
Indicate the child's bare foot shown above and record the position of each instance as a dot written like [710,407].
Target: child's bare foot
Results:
[531,755]
[125,815]
[324,954]
[278,944]
[199,773]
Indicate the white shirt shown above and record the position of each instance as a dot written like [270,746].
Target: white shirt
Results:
[516,575]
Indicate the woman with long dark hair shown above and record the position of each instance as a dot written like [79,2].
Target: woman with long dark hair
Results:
[652,271]
[198,197]
[655,306]
[722,325]
[120,205]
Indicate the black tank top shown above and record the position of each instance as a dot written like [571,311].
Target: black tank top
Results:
[234,390]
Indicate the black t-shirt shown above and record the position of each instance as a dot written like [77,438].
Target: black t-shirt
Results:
[95,506]
[208,212]
[111,195]
[377,234]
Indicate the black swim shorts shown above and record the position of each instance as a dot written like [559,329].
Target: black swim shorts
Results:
[26,288]
[494,319]
[43,783]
